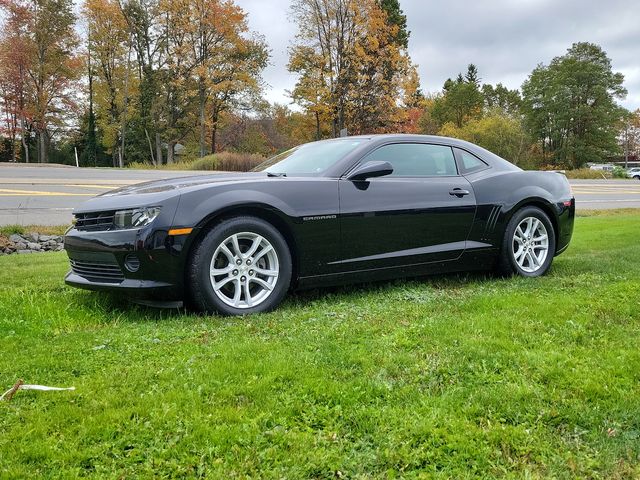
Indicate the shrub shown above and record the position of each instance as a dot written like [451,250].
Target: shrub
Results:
[235,162]
[209,162]
[11,229]
[619,172]
[587,173]
[223,161]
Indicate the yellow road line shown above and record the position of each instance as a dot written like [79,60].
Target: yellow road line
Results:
[38,181]
[95,186]
[595,192]
[5,192]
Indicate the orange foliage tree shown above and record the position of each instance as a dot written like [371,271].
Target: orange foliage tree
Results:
[354,72]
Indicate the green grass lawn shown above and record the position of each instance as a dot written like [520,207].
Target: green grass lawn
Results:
[457,376]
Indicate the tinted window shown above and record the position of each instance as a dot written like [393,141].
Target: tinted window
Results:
[468,162]
[416,159]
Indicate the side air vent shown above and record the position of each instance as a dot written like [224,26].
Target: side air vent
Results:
[491,222]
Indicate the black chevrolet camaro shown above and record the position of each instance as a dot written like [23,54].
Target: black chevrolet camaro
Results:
[332,212]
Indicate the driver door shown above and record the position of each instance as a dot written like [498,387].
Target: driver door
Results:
[420,213]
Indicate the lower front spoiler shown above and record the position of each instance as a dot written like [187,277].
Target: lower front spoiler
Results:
[132,287]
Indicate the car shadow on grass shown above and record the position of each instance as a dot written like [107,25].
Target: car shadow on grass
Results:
[118,305]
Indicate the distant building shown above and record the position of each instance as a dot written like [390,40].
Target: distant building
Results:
[633,160]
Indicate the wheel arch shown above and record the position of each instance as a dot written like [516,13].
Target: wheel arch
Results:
[543,205]
[264,212]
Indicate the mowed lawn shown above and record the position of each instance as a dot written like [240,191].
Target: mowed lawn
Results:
[458,376]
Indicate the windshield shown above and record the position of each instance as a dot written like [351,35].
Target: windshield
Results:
[310,158]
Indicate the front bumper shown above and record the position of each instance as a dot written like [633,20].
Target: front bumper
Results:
[142,287]
[140,262]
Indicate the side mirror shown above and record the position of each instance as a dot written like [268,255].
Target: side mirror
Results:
[371,170]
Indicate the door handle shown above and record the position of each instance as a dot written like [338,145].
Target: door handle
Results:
[458,192]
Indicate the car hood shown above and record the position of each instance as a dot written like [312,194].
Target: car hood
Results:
[180,183]
[160,191]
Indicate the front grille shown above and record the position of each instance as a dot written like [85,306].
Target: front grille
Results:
[94,221]
[97,271]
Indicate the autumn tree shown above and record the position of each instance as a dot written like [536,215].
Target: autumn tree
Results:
[351,59]
[311,91]
[108,44]
[570,105]
[148,40]
[396,18]
[498,132]
[39,67]
[235,83]
[14,89]
[226,61]
[629,137]
[53,68]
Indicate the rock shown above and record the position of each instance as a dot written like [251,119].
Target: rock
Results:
[21,245]
[33,236]
[24,251]
[45,238]
[34,246]
[59,247]
[15,238]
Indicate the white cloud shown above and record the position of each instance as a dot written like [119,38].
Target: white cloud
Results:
[506,39]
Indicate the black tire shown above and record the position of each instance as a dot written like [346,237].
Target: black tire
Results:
[199,285]
[637,177]
[507,264]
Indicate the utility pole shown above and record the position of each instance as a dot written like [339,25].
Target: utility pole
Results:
[626,146]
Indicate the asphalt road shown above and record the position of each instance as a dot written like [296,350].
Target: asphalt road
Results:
[46,195]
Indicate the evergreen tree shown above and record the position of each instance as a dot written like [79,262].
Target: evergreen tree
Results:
[395,16]
[570,105]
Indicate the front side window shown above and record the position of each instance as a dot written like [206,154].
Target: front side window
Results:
[416,159]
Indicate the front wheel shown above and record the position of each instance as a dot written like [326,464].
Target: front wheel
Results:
[241,266]
[528,245]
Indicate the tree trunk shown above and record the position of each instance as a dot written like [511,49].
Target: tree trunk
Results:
[201,106]
[25,143]
[159,149]
[14,142]
[318,126]
[123,126]
[42,147]
[153,158]
[214,131]
[171,152]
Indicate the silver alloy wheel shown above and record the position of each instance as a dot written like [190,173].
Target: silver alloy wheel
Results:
[530,244]
[244,270]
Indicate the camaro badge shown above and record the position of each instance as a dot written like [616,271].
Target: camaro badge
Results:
[319,217]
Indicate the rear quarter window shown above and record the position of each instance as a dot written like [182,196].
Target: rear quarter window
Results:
[469,163]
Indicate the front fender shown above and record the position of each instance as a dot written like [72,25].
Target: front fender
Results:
[200,211]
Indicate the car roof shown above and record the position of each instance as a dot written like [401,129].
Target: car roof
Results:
[377,140]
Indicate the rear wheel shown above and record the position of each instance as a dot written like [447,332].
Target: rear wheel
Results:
[528,245]
[240,266]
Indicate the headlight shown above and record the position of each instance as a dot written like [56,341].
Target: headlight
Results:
[137,217]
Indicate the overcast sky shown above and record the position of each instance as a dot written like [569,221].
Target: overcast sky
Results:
[506,39]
